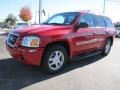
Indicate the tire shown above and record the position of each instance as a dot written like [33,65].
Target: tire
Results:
[55,58]
[119,35]
[107,47]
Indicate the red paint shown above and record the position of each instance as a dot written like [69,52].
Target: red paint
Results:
[51,33]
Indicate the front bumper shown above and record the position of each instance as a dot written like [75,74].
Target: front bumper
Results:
[27,55]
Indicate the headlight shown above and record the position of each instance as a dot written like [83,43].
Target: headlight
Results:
[31,41]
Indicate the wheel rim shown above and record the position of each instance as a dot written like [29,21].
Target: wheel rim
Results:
[56,60]
[107,47]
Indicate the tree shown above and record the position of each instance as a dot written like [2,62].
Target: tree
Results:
[25,14]
[10,20]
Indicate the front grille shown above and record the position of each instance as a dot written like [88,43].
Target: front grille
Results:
[12,38]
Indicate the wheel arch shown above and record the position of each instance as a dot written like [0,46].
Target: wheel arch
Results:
[63,43]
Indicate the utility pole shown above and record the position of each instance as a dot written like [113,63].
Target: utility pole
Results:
[48,15]
[35,17]
[40,11]
[104,6]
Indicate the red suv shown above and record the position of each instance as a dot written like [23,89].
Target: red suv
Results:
[63,37]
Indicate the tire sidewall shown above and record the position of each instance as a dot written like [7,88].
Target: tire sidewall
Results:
[104,49]
[47,54]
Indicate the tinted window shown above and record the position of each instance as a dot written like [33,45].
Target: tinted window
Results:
[99,21]
[87,18]
[108,22]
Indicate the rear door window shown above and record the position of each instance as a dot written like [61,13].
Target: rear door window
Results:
[108,22]
[99,21]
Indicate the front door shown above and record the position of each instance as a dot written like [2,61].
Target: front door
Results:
[84,39]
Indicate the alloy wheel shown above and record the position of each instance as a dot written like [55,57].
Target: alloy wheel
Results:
[56,60]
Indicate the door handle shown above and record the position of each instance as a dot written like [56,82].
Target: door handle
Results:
[89,36]
[107,32]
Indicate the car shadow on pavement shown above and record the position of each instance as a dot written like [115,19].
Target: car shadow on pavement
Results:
[15,76]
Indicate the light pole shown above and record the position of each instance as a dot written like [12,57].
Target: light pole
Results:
[104,5]
[40,11]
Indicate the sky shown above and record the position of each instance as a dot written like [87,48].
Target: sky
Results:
[56,6]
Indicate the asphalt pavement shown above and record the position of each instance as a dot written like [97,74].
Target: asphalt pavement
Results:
[94,73]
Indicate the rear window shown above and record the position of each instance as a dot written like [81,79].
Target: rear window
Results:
[22,24]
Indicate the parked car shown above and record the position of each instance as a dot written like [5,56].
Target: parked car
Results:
[63,37]
[118,32]
[21,25]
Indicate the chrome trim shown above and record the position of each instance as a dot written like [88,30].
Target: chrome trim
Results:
[11,45]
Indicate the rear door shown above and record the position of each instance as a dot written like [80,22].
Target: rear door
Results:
[103,28]
[100,30]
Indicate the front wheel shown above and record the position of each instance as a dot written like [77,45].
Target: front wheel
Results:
[107,47]
[54,59]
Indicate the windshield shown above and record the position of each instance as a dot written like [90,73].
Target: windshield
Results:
[62,19]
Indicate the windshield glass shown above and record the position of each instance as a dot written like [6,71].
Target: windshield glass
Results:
[62,19]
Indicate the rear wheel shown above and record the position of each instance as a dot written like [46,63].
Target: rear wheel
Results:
[54,59]
[107,47]
[119,35]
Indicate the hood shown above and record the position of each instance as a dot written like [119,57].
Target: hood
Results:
[41,29]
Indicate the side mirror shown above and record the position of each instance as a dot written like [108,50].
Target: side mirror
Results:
[82,25]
